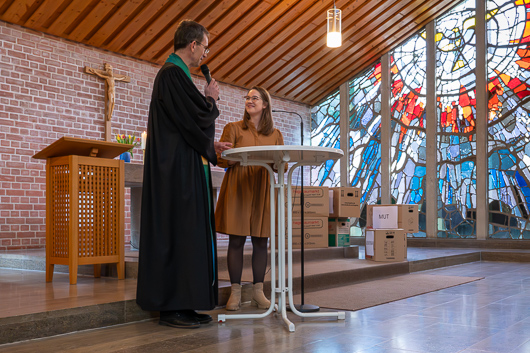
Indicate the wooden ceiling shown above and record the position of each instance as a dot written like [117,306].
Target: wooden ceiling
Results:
[277,44]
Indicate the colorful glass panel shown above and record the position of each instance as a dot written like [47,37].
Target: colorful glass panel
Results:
[365,136]
[325,132]
[509,118]
[408,144]
[456,135]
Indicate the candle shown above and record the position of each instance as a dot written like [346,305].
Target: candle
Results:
[144,138]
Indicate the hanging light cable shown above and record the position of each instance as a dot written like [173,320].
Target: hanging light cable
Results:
[334,20]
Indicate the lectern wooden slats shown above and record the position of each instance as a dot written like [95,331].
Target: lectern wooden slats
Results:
[59,216]
[84,205]
[98,210]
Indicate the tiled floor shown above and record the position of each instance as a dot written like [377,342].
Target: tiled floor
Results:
[489,315]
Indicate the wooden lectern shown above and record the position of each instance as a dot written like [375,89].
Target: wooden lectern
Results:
[84,205]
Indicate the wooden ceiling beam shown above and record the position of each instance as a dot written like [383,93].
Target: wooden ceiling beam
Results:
[95,19]
[134,25]
[41,15]
[12,14]
[198,12]
[115,23]
[222,9]
[236,26]
[235,17]
[68,16]
[158,24]
[226,57]
[15,10]
[261,49]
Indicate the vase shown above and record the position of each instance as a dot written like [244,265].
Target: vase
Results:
[126,157]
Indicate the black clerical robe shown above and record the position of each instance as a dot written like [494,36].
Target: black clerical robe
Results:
[177,264]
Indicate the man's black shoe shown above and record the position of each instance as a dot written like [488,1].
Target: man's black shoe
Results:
[202,318]
[179,319]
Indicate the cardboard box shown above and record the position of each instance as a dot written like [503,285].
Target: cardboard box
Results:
[407,217]
[385,245]
[339,232]
[315,232]
[345,202]
[316,201]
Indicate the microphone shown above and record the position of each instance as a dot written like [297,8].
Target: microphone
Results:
[206,73]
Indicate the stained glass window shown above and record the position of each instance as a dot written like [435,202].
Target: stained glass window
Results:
[408,145]
[509,118]
[325,132]
[508,33]
[456,138]
[365,136]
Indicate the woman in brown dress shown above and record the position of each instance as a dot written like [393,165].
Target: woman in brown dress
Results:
[243,207]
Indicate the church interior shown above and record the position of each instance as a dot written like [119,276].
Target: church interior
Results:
[422,103]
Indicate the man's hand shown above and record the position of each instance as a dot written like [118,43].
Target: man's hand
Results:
[222,146]
[212,90]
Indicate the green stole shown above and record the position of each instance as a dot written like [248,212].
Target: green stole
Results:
[175,59]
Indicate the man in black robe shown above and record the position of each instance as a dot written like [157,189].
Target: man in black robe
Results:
[177,272]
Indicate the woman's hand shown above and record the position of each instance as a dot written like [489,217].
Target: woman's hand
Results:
[221,146]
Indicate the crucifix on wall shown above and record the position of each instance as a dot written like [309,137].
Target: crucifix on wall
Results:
[110,92]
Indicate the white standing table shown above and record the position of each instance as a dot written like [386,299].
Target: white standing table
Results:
[279,156]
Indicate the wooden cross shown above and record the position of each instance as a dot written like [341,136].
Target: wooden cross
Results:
[110,92]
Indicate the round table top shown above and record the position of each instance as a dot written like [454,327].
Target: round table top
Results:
[283,153]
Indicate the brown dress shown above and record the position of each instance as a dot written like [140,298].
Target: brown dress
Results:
[243,206]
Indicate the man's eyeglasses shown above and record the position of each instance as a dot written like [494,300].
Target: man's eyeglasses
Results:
[206,49]
[253,98]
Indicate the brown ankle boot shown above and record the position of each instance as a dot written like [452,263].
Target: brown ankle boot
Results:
[234,302]
[258,297]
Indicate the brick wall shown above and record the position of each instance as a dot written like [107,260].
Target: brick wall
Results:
[45,94]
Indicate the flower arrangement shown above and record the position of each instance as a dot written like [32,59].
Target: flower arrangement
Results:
[129,140]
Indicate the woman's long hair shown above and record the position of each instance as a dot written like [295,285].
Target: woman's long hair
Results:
[266,124]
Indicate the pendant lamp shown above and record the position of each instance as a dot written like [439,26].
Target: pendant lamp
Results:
[334,20]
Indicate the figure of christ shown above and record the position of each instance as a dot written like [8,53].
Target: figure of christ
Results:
[110,86]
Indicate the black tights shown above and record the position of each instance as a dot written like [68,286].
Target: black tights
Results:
[236,243]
